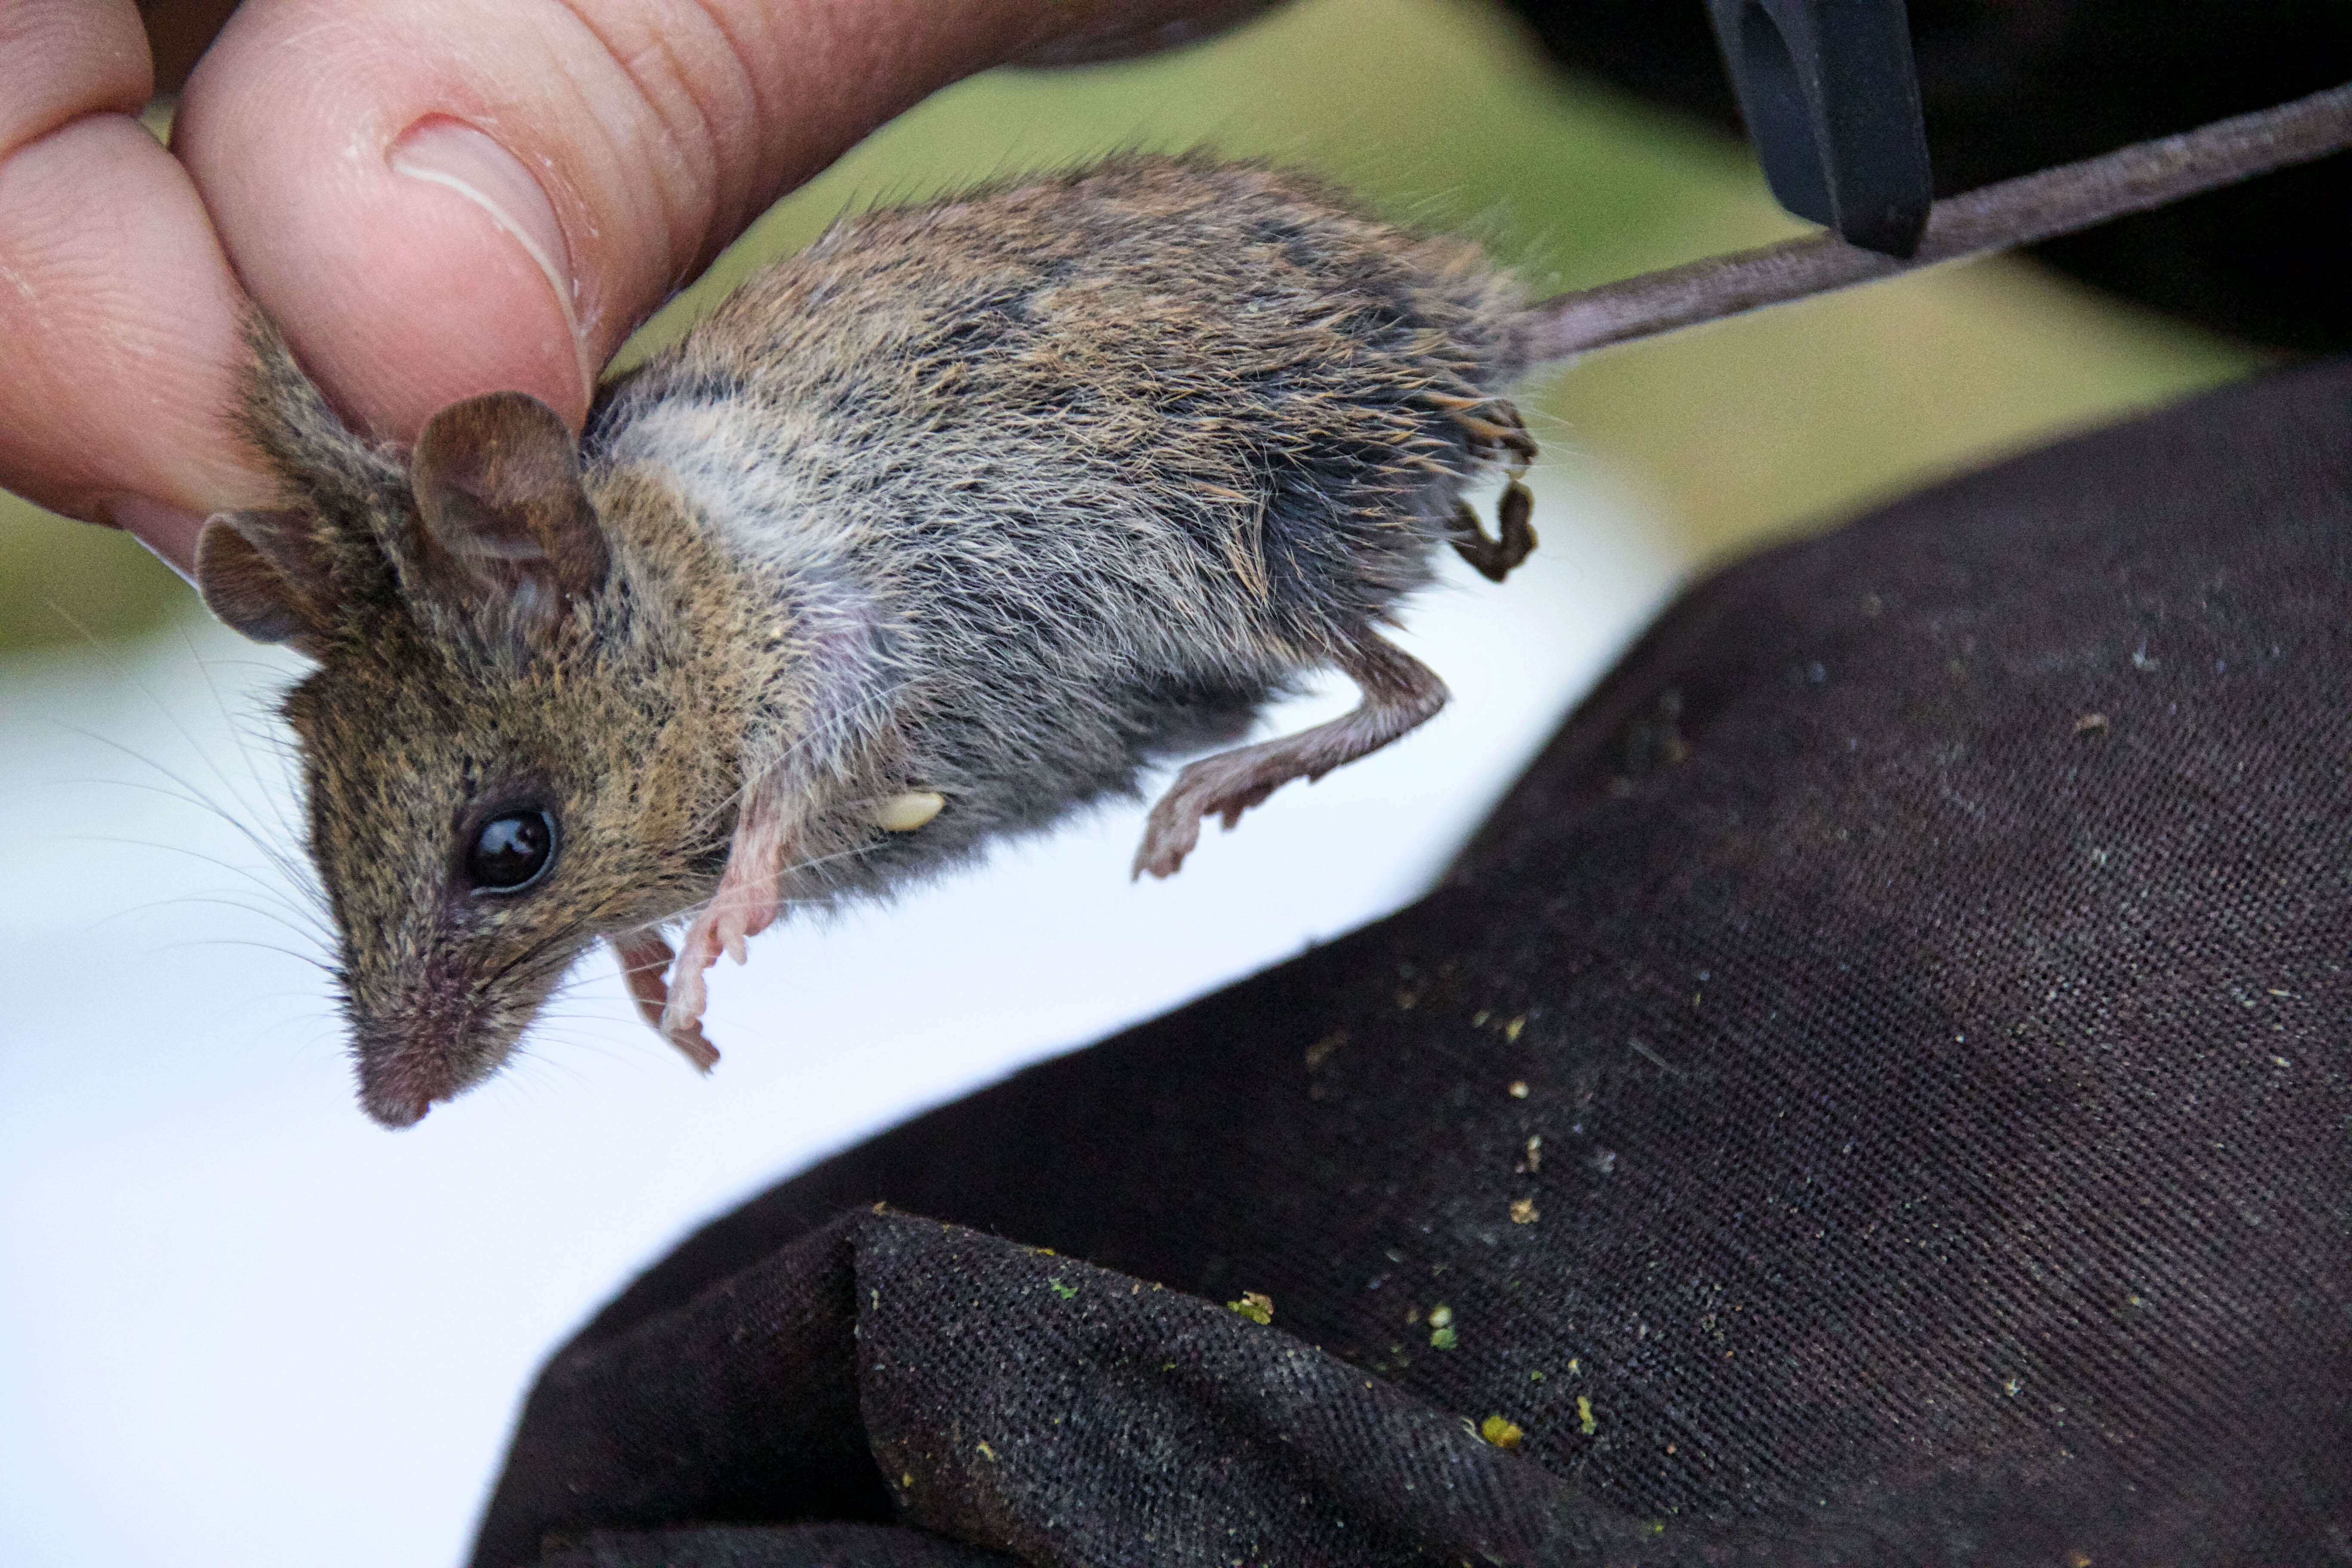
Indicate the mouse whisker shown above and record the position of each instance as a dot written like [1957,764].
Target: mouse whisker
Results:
[296,876]
[209,942]
[221,899]
[291,908]
[534,954]
[852,852]
[236,733]
[228,717]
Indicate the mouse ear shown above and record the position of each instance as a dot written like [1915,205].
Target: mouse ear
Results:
[264,573]
[507,525]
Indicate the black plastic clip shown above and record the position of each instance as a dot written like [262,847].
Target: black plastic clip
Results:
[1830,95]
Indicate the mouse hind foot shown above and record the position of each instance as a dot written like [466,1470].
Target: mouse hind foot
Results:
[1400,694]
[1493,558]
[1499,429]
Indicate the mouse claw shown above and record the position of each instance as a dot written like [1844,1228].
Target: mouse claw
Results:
[645,958]
[694,1046]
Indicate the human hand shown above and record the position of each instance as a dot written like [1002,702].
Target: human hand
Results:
[432,198]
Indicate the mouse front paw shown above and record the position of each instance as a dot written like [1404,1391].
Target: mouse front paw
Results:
[645,959]
[679,1019]
[744,906]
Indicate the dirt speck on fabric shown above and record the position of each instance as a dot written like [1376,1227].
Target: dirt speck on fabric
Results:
[1254,1305]
[1586,1422]
[1523,1211]
[1501,1431]
[1519,1088]
[2091,727]
[1511,1030]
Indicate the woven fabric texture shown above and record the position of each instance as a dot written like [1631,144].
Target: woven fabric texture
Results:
[1879,1091]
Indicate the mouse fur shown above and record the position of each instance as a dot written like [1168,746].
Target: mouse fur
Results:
[991,501]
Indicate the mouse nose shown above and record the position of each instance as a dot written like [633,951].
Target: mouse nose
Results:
[396,1087]
[394,1110]
[414,1051]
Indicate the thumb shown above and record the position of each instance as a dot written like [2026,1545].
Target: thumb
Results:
[437,198]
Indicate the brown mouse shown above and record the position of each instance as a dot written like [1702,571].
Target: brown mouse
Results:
[952,524]
[943,527]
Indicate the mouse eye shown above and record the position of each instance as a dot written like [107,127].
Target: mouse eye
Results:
[509,851]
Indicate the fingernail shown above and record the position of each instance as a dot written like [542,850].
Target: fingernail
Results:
[451,153]
[166,530]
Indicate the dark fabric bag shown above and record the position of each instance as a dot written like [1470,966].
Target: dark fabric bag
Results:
[1879,1091]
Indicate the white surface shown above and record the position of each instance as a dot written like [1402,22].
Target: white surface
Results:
[240,1325]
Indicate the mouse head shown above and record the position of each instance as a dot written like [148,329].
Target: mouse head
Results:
[504,758]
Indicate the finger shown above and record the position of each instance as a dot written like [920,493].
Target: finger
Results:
[437,199]
[116,305]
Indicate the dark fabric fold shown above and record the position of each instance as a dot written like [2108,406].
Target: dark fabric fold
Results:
[776,1546]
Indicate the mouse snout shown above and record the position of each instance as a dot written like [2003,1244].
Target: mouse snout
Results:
[392,1110]
[427,1032]
[402,1071]
[421,1050]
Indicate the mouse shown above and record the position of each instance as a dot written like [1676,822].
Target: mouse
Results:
[948,527]
[952,524]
